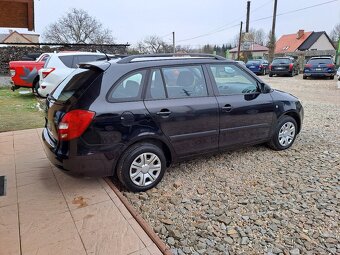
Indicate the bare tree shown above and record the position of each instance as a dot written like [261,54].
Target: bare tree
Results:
[255,35]
[335,33]
[153,44]
[77,26]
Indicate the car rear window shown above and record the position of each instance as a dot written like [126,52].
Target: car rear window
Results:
[77,82]
[282,61]
[318,61]
[253,62]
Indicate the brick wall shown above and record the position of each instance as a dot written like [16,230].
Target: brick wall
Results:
[14,53]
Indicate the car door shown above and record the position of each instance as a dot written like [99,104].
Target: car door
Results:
[246,113]
[179,101]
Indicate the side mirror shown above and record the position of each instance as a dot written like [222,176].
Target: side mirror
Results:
[265,88]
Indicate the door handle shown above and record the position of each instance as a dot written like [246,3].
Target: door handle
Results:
[227,108]
[164,113]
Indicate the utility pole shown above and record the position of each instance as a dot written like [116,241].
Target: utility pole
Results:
[272,37]
[248,15]
[239,42]
[173,42]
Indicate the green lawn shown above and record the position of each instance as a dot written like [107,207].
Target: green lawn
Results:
[19,111]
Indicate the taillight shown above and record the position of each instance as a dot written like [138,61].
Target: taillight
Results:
[308,65]
[12,72]
[330,65]
[290,67]
[47,71]
[74,123]
[261,66]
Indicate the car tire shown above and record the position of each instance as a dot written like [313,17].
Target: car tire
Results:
[284,134]
[331,77]
[36,87]
[264,71]
[133,169]
[270,75]
[304,77]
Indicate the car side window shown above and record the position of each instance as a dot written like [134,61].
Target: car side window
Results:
[129,88]
[156,88]
[231,80]
[184,81]
[67,60]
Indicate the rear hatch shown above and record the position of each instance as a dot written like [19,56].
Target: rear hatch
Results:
[66,96]
[254,65]
[320,65]
[281,64]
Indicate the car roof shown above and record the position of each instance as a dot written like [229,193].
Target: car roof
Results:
[77,53]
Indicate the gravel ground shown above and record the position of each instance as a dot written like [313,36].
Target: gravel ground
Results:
[255,200]
[5,81]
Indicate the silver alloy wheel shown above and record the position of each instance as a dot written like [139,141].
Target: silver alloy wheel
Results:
[145,169]
[286,134]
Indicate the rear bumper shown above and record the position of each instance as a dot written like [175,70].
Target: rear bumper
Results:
[92,164]
[325,74]
[283,72]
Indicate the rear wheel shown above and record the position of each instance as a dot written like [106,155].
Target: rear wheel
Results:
[270,75]
[284,134]
[332,77]
[141,167]
[304,77]
[35,88]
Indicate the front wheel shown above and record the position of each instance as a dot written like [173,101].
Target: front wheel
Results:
[141,167]
[284,134]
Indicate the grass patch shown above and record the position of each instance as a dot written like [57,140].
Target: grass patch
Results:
[19,111]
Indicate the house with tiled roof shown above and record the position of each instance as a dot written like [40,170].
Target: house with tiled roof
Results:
[304,41]
[16,37]
[256,50]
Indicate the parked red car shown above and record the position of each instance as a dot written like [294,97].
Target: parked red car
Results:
[25,73]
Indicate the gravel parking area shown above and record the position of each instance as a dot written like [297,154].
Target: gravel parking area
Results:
[255,200]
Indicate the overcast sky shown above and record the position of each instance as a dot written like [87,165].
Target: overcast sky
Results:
[130,21]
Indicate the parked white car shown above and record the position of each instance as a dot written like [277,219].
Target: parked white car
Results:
[59,66]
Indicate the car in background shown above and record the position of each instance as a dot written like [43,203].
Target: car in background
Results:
[319,67]
[284,66]
[338,74]
[60,65]
[258,66]
[134,117]
[24,74]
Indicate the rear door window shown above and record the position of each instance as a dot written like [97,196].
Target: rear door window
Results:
[184,81]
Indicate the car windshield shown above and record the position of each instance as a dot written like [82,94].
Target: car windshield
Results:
[281,61]
[253,62]
[320,61]
[80,79]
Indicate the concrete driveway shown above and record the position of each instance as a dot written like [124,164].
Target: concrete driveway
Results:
[45,211]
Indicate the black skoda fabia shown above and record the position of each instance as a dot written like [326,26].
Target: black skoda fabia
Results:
[135,116]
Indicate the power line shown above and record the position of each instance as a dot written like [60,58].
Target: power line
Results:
[223,28]
[226,26]
[297,10]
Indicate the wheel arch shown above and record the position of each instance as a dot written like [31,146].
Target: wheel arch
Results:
[158,141]
[295,116]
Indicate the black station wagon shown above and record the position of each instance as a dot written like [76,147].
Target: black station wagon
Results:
[136,116]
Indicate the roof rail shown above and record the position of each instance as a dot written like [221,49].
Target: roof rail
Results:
[166,56]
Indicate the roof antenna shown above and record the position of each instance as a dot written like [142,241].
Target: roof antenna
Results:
[107,57]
